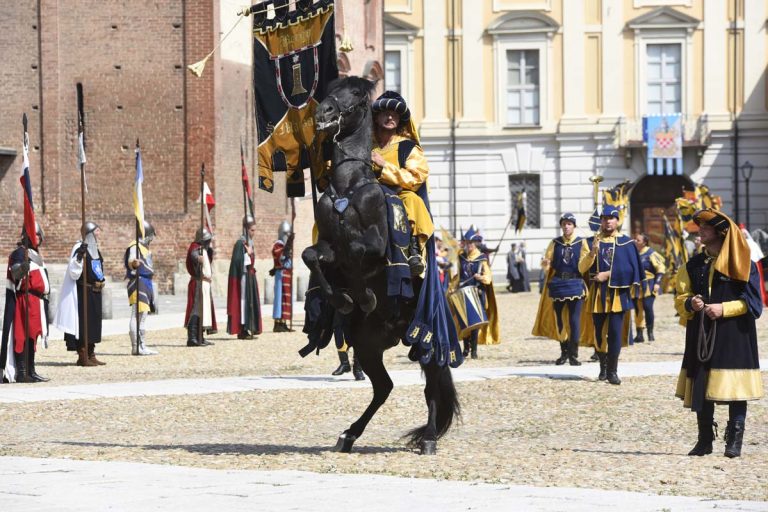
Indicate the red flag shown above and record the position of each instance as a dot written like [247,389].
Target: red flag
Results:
[26,185]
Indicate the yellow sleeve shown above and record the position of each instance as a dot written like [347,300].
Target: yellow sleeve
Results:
[485,273]
[657,260]
[682,293]
[734,308]
[410,177]
[586,259]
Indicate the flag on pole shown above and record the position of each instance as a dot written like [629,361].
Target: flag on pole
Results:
[246,181]
[81,156]
[594,220]
[521,217]
[26,185]
[672,245]
[210,202]
[138,197]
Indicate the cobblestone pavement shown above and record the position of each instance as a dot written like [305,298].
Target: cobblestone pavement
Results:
[521,431]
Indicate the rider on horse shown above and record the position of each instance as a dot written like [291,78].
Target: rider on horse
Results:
[399,161]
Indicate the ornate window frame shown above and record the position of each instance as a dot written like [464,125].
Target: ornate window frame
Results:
[399,37]
[664,26]
[523,30]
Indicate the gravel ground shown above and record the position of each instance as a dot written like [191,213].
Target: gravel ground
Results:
[518,430]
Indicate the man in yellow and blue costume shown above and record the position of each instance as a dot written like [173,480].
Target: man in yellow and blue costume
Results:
[562,298]
[645,296]
[614,268]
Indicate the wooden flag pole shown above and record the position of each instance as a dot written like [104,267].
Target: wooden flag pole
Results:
[138,259]
[200,280]
[25,276]
[81,150]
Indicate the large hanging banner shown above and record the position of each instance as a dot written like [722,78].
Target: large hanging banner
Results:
[664,136]
[294,60]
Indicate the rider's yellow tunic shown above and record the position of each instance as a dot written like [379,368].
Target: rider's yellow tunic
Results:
[409,178]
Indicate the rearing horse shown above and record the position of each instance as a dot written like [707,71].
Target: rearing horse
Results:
[349,263]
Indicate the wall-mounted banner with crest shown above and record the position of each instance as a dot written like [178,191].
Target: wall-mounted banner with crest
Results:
[294,60]
[664,136]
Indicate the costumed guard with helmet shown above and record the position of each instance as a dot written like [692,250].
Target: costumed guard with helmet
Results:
[561,303]
[282,255]
[201,315]
[70,315]
[140,265]
[718,300]
[652,272]
[474,272]
[614,268]
[243,306]
[26,298]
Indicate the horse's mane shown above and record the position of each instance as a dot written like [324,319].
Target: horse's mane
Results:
[366,85]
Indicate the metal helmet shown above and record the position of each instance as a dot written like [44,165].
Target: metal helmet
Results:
[38,231]
[88,227]
[203,235]
[149,233]
[284,231]
[247,220]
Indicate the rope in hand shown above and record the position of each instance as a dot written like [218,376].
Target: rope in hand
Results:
[706,340]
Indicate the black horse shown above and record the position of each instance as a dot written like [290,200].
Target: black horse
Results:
[348,261]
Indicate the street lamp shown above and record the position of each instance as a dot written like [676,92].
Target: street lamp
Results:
[746,173]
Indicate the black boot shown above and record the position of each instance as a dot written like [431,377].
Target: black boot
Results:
[193,330]
[650,334]
[473,348]
[31,364]
[734,435]
[573,353]
[612,369]
[22,371]
[415,262]
[707,434]
[465,353]
[357,368]
[602,358]
[563,354]
[344,366]
[639,338]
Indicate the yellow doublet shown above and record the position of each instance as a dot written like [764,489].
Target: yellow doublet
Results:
[143,307]
[409,178]
[683,293]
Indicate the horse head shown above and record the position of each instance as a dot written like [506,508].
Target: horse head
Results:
[344,109]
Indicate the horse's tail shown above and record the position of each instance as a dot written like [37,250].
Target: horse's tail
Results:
[447,401]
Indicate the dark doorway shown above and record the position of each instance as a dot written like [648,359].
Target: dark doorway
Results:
[651,197]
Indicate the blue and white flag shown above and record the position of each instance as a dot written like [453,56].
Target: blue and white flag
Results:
[664,136]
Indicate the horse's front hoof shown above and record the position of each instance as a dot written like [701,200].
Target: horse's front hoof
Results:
[370,301]
[344,443]
[428,447]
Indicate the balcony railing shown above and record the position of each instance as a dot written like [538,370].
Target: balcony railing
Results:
[629,132]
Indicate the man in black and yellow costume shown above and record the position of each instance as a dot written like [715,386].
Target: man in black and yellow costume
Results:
[399,162]
[562,298]
[613,264]
[718,300]
[645,296]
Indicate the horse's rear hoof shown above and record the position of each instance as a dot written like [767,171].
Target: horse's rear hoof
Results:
[344,444]
[370,301]
[428,447]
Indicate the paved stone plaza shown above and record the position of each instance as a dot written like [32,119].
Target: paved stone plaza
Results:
[248,423]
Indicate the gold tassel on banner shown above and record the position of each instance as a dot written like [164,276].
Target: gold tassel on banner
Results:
[198,67]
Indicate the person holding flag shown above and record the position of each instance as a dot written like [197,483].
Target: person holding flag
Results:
[243,305]
[26,299]
[200,315]
[139,270]
[282,271]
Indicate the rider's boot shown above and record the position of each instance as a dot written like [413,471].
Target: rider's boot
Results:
[415,261]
